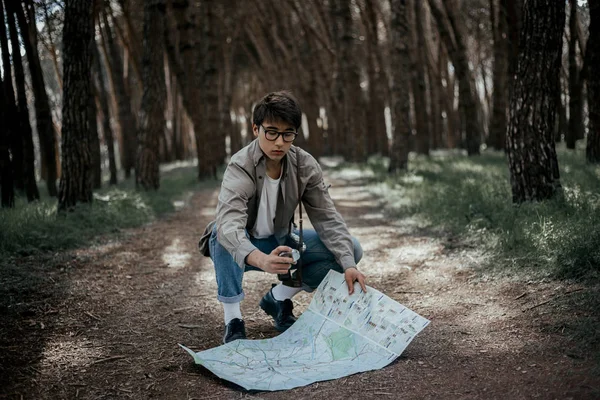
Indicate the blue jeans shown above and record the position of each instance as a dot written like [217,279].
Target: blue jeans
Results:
[317,260]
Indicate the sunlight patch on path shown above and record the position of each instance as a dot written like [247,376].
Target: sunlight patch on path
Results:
[101,249]
[372,216]
[66,353]
[208,212]
[205,276]
[351,174]
[126,257]
[356,203]
[418,251]
[174,255]
[346,193]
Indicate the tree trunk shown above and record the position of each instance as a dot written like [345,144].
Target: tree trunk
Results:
[375,117]
[130,41]
[453,133]
[125,115]
[187,62]
[7,189]
[106,127]
[23,132]
[76,178]
[315,134]
[422,116]
[208,156]
[95,156]
[228,76]
[497,139]
[12,129]
[562,122]
[437,121]
[575,84]
[352,129]
[451,32]
[592,150]
[51,47]
[152,114]
[43,114]
[400,59]
[530,144]
[178,136]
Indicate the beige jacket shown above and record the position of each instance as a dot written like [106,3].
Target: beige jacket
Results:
[239,199]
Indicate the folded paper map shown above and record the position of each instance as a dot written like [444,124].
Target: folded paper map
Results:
[338,335]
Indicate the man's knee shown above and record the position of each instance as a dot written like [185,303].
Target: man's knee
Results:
[358,251]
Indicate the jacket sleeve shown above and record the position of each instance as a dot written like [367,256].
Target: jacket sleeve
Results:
[237,187]
[328,223]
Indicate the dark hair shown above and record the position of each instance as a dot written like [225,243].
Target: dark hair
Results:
[278,106]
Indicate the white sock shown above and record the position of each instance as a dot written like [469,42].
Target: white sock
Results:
[282,292]
[232,310]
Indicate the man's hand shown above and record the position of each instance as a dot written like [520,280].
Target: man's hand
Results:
[271,263]
[352,275]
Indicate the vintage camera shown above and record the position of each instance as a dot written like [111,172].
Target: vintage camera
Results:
[287,277]
[295,254]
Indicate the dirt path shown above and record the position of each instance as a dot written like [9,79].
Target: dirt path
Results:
[104,322]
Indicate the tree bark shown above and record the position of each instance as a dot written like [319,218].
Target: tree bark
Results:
[12,130]
[213,141]
[7,189]
[76,178]
[23,131]
[376,128]
[228,69]
[437,121]
[95,157]
[130,42]
[453,134]
[125,115]
[497,138]
[178,137]
[353,121]
[43,114]
[186,60]
[451,32]
[106,127]
[530,144]
[50,47]
[400,59]
[592,150]
[575,83]
[422,116]
[562,122]
[152,114]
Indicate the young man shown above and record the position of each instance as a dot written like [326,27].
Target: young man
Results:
[255,215]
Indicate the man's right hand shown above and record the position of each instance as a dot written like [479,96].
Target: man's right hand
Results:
[271,263]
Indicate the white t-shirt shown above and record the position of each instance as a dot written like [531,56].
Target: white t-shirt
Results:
[264,226]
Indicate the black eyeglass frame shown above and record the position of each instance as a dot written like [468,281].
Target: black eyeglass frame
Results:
[282,134]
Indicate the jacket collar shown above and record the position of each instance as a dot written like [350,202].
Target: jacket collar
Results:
[258,155]
[288,161]
[256,152]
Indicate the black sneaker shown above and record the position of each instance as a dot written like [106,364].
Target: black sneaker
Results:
[281,311]
[234,330]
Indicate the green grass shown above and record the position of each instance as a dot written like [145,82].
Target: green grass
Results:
[37,227]
[471,197]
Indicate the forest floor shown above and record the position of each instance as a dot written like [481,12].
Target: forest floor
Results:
[104,321]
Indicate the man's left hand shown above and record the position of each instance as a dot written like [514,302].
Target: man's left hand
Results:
[352,275]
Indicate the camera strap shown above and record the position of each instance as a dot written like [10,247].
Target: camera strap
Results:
[300,242]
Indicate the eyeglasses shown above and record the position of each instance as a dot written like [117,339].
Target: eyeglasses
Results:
[272,135]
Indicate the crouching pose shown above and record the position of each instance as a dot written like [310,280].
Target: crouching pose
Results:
[261,188]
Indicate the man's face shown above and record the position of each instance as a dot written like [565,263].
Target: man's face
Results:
[276,149]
